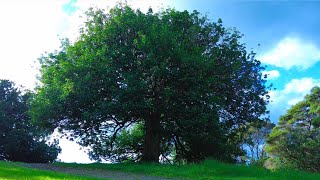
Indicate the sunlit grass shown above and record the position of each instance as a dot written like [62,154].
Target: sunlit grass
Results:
[9,170]
[207,170]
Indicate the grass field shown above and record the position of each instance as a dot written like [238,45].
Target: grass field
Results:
[9,170]
[207,170]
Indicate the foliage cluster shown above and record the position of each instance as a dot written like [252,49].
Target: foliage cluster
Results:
[296,139]
[20,139]
[254,142]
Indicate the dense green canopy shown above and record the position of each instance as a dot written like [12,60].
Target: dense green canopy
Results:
[295,141]
[20,139]
[187,80]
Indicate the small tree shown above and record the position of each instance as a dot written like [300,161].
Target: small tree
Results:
[296,139]
[20,139]
[255,139]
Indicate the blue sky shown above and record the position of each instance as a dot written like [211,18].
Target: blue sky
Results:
[287,32]
[289,41]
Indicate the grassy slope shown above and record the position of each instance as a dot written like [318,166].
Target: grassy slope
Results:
[9,170]
[207,170]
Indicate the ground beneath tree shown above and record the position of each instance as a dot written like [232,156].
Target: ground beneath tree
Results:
[97,173]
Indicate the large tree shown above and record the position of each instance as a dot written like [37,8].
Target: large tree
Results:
[295,141]
[189,81]
[20,139]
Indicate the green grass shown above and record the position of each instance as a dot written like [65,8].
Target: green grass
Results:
[10,170]
[207,170]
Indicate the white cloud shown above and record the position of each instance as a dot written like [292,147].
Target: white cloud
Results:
[293,92]
[301,86]
[292,52]
[273,74]
[294,101]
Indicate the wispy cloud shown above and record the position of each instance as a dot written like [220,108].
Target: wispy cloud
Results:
[273,74]
[292,52]
[293,92]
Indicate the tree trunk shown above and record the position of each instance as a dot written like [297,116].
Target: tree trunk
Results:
[151,150]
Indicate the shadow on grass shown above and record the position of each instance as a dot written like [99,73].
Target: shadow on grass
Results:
[209,169]
[9,170]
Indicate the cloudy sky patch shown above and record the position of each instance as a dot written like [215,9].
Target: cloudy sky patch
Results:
[294,91]
[292,52]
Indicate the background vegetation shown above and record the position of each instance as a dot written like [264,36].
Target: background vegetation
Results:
[295,142]
[20,139]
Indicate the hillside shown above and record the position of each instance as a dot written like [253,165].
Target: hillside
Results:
[207,170]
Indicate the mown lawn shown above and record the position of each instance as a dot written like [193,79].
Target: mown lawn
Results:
[9,170]
[207,170]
